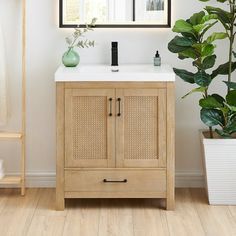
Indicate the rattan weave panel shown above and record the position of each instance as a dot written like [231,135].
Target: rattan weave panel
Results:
[89,127]
[141,127]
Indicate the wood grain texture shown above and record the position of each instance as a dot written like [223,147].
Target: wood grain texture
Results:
[23,106]
[35,215]
[60,120]
[136,181]
[139,134]
[216,220]
[170,141]
[20,180]
[112,85]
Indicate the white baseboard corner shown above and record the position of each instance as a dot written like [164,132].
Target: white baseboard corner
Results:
[183,179]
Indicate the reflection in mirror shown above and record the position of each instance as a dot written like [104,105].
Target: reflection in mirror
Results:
[115,13]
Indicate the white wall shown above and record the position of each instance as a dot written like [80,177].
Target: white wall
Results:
[45,45]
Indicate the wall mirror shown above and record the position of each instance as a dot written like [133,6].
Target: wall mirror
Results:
[116,13]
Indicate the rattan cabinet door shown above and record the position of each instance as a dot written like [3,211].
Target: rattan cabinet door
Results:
[141,128]
[89,128]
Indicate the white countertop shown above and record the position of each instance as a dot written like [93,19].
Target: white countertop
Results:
[128,72]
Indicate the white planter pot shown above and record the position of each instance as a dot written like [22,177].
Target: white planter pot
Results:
[220,169]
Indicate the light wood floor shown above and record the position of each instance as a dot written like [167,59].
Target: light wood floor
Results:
[34,215]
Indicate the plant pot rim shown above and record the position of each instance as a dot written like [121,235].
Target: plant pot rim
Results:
[217,140]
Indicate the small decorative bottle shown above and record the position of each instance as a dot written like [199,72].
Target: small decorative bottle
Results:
[157,59]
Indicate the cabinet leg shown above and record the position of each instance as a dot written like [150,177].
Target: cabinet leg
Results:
[60,204]
[23,190]
[170,204]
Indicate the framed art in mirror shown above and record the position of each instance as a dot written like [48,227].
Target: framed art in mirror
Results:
[115,13]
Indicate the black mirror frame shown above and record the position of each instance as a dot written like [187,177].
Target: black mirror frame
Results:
[168,25]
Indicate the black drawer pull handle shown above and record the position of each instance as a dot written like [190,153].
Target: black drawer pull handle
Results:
[119,112]
[115,181]
[110,100]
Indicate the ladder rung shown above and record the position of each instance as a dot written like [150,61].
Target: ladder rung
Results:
[4,135]
[10,180]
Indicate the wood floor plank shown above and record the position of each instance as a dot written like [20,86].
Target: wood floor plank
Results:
[46,205]
[149,219]
[4,195]
[116,218]
[16,216]
[216,220]
[47,221]
[47,226]
[82,218]
[184,220]
[35,215]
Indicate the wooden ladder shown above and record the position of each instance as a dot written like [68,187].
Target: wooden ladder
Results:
[19,180]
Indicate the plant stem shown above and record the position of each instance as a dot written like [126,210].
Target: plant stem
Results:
[211,132]
[210,128]
[230,54]
[231,40]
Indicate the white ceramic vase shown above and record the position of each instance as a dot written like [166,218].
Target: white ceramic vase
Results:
[220,169]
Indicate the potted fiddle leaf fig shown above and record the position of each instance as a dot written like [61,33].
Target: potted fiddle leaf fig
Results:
[218,111]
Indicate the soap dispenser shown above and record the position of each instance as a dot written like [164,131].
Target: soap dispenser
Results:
[157,59]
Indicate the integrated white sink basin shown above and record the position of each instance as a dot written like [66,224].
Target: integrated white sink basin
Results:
[128,72]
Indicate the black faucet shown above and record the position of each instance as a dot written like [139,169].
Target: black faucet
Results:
[114,56]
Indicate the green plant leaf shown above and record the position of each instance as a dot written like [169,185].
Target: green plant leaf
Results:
[230,127]
[208,17]
[202,79]
[185,75]
[183,41]
[212,117]
[196,18]
[196,90]
[209,62]
[222,133]
[209,102]
[220,99]
[231,108]
[208,27]
[189,53]
[190,35]
[216,36]
[234,53]
[231,85]
[207,50]
[223,69]
[224,16]
[198,28]
[231,98]
[179,44]
[182,26]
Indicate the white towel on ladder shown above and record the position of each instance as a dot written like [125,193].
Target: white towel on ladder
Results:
[3,81]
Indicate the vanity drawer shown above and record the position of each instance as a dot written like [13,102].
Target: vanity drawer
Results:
[129,180]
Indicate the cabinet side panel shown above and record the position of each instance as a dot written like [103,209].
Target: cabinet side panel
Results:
[170,202]
[60,120]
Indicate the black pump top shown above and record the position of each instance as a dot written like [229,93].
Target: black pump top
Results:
[157,54]
[114,44]
[114,53]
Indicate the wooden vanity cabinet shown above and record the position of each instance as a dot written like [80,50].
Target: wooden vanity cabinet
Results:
[115,140]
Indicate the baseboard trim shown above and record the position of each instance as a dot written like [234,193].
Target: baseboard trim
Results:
[187,179]
[183,179]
